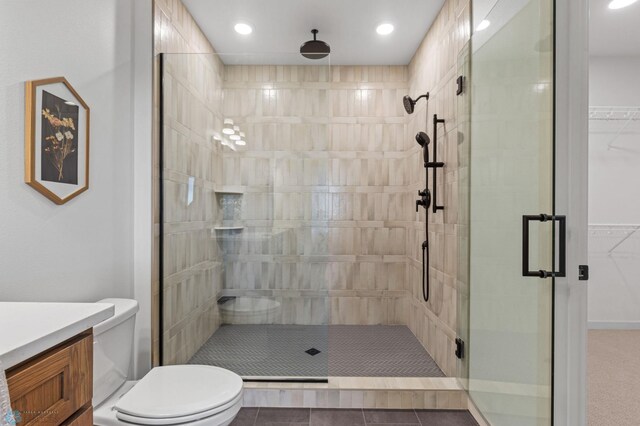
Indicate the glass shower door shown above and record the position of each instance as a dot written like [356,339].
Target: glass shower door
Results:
[511,176]
[243,225]
[276,266]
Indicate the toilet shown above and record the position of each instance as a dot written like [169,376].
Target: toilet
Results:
[190,395]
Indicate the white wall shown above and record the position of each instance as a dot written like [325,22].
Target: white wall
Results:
[81,251]
[614,197]
[614,80]
[614,174]
[142,207]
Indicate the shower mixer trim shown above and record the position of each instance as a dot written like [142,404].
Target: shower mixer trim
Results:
[424,201]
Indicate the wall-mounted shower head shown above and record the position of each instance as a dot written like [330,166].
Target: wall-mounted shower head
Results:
[409,104]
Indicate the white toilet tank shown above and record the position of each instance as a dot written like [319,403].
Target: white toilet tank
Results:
[112,349]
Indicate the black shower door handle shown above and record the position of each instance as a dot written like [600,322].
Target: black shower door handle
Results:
[562,261]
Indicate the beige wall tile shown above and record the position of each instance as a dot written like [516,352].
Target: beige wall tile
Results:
[323,168]
[433,69]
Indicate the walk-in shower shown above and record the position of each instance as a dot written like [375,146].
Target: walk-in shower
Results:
[285,257]
[298,254]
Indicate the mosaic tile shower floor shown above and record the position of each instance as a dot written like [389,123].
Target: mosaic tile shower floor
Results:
[312,351]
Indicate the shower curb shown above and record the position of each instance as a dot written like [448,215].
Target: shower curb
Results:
[358,392]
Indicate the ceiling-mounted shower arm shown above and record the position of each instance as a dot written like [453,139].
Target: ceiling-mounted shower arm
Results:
[435,164]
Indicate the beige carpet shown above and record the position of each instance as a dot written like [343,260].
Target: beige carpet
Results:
[614,377]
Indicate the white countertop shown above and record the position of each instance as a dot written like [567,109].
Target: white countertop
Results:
[28,328]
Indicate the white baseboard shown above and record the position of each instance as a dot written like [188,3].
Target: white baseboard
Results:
[614,325]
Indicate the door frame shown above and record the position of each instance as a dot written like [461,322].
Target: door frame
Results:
[571,135]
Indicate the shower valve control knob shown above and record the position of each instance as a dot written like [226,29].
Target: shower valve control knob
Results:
[425,199]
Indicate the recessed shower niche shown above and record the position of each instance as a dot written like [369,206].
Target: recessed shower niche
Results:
[229,203]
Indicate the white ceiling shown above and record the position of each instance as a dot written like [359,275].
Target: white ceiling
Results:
[281,26]
[614,32]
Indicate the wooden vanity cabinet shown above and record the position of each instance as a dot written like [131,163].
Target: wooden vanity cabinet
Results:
[55,387]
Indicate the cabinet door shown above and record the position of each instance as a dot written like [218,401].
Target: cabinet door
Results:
[83,417]
[53,386]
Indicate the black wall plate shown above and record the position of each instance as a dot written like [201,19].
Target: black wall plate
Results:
[460,80]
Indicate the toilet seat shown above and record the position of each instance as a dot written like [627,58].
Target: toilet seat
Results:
[180,394]
[233,406]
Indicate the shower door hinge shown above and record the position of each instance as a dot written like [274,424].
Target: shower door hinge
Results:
[583,272]
[459,348]
[460,82]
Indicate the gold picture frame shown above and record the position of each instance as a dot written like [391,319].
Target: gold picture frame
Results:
[57,128]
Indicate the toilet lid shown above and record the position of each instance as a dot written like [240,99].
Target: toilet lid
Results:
[180,390]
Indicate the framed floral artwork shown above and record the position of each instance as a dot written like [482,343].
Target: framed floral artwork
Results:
[56,139]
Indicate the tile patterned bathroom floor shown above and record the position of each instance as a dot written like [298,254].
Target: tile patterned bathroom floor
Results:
[335,417]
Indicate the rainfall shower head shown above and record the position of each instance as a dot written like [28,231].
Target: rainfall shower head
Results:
[315,49]
[409,104]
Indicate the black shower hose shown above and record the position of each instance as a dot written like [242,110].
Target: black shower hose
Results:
[425,244]
[425,265]
[425,249]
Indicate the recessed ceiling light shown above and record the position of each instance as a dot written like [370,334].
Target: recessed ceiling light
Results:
[619,4]
[242,28]
[385,29]
[483,25]
[241,142]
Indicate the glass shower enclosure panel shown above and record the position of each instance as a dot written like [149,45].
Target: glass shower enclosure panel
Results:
[511,175]
[463,108]
[243,226]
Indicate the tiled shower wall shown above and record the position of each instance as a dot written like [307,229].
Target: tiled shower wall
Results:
[434,69]
[192,168]
[324,199]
